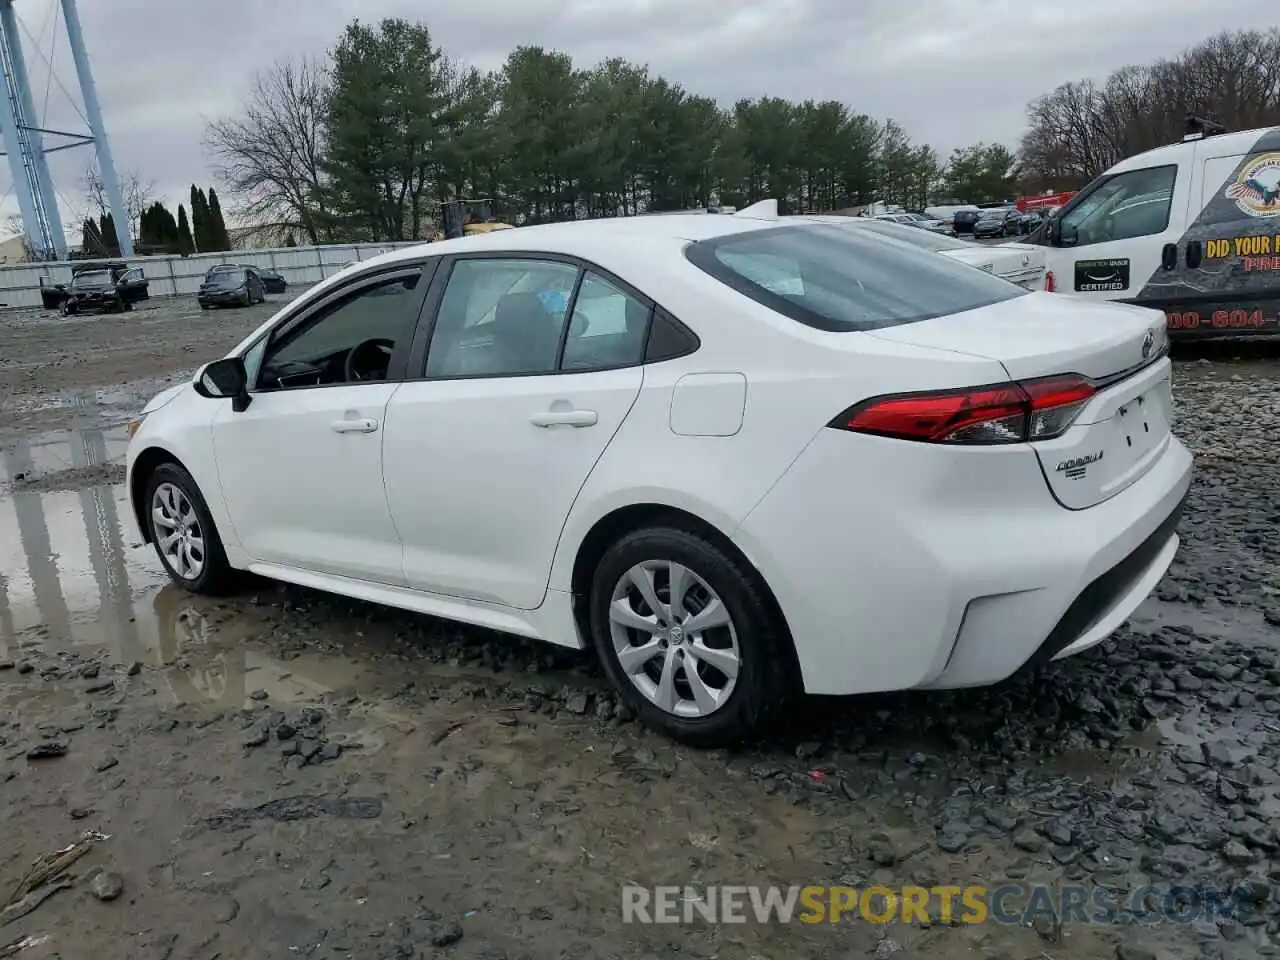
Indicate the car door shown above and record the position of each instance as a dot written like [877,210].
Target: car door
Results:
[301,466]
[1117,233]
[532,366]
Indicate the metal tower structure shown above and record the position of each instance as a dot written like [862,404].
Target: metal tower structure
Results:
[24,140]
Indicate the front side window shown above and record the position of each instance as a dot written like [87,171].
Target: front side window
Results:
[842,279]
[349,340]
[501,317]
[1128,205]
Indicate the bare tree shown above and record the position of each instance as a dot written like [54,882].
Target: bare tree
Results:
[271,155]
[1080,129]
[136,194]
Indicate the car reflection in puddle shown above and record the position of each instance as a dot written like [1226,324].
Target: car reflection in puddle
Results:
[75,578]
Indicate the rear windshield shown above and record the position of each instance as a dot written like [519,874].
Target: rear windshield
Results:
[842,279]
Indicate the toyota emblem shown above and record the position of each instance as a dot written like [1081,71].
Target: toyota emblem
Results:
[1148,344]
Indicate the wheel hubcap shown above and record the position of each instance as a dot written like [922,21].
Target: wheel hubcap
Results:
[177,531]
[674,638]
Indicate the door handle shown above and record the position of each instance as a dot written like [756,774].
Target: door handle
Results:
[565,418]
[1169,256]
[364,425]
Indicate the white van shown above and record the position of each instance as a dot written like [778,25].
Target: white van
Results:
[1192,229]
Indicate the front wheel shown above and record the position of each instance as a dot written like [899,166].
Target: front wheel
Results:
[687,635]
[184,534]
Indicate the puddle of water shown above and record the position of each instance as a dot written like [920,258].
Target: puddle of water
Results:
[76,578]
[1213,621]
[61,450]
[112,404]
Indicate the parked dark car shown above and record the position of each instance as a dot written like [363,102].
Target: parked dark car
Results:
[136,287]
[964,220]
[996,223]
[1029,221]
[111,289]
[231,285]
[272,280]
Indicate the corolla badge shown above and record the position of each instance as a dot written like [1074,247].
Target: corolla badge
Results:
[1256,191]
[1076,467]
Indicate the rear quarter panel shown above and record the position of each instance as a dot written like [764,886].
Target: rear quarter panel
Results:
[798,380]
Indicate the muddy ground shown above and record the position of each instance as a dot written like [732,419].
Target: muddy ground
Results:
[289,774]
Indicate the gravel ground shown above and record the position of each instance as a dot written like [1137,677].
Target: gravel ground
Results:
[285,773]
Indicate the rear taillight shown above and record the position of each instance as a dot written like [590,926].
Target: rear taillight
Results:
[1002,413]
[1050,284]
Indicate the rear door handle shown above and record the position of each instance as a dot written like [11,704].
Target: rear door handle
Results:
[363,425]
[565,418]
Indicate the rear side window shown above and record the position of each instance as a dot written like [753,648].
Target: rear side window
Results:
[839,279]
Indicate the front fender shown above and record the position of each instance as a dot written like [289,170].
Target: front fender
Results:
[181,430]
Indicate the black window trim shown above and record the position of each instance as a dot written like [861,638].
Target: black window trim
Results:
[305,314]
[702,255]
[416,366]
[1089,189]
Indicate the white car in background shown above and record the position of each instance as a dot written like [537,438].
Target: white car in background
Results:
[739,457]
[1020,263]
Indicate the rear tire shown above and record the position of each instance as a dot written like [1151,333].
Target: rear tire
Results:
[711,668]
[184,535]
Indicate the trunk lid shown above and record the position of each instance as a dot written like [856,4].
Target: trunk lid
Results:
[1043,334]
[1123,430]
[1018,263]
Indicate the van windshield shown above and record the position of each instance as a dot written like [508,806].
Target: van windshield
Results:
[844,278]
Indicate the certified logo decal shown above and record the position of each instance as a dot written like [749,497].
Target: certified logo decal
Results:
[1257,190]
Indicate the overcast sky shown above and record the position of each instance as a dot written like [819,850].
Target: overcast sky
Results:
[950,71]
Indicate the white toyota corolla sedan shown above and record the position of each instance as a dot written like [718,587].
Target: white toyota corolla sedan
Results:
[739,456]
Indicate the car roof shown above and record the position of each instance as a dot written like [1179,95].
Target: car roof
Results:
[1224,144]
[578,236]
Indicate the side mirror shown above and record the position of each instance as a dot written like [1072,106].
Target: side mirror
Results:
[1064,235]
[225,378]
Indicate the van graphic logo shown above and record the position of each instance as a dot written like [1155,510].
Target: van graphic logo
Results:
[1095,276]
[1256,191]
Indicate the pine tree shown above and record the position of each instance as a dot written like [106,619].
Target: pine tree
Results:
[200,220]
[186,243]
[91,239]
[217,226]
[110,240]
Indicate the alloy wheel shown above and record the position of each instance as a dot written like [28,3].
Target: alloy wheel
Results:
[674,638]
[177,531]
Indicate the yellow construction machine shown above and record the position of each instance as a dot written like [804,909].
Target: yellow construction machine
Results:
[465,218]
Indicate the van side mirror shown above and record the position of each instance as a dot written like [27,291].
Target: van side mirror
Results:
[1064,234]
[226,378]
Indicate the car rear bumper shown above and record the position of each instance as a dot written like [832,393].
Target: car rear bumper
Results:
[941,567]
